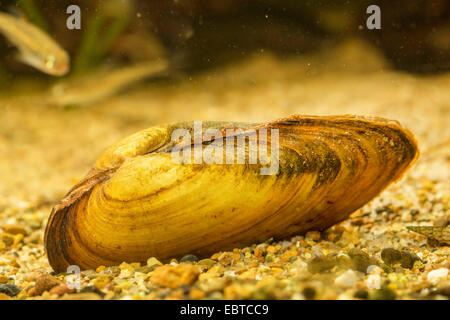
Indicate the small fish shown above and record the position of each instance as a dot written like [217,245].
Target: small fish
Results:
[36,48]
[440,234]
[97,86]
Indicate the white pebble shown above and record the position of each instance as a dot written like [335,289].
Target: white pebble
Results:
[435,276]
[347,279]
[297,296]
[406,216]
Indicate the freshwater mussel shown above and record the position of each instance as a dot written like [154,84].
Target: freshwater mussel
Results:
[137,201]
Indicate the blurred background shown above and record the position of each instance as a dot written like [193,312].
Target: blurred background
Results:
[227,60]
[202,34]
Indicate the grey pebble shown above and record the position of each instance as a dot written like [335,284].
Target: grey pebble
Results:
[383,294]
[321,264]
[146,269]
[92,289]
[390,256]
[361,260]
[10,289]
[408,259]
[189,258]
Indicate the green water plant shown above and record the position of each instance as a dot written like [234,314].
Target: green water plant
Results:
[99,36]
[33,13]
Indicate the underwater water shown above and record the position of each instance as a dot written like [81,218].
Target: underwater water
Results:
[99,71]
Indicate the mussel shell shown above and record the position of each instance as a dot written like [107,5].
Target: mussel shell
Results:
[137,202]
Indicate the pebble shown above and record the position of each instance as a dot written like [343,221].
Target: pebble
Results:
[216,256]
[347,279]
[392,256]
[258,252]
[226,258]
[444,291]
[61,290]
[153,261]
[101,282]
[383,294]
[196,294]
[272,249]
[361,294]
[100,269]
[7,239]
[408,259]
[3,279]
[361,260]
[207,262]
[81,296]
[435,276]
[288,254]
[126,270]
[175,276]
[344,261]
[321,264]
[441,221]
[14,229]
[44,283]
[146,269]
[269,257]
[10,289]
[189,258]
[386,268]
[4,296]
[92,289]
[309,293]
[312,235]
